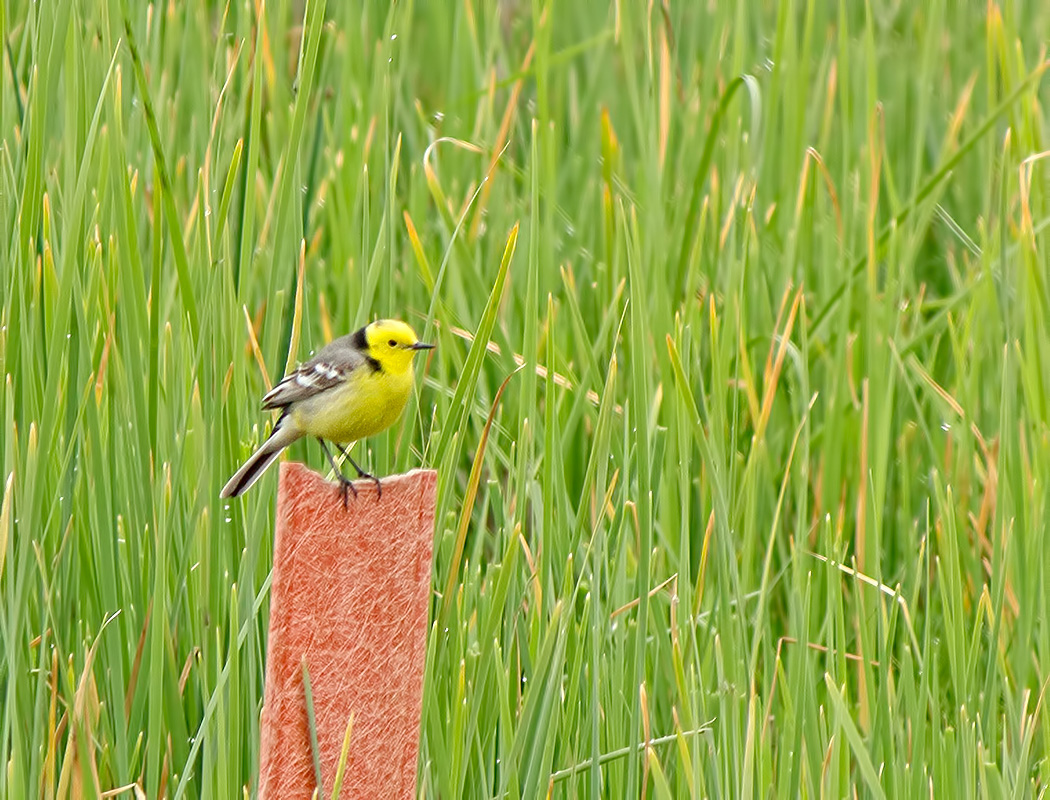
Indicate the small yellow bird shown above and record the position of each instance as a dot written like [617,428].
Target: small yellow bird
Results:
[356,386]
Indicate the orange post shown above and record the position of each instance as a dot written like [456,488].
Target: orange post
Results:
[350,593]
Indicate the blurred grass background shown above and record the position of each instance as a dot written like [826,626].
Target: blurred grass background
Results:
[762,514]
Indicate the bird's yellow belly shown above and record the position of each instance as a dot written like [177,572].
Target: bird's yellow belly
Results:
[369,402]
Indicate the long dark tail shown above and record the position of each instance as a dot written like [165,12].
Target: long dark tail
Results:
[283,435]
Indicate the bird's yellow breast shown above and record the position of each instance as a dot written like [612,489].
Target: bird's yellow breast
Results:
[367,403]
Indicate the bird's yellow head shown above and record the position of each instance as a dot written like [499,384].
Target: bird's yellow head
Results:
[393,344]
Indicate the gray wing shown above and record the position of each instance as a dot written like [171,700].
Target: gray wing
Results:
[330,367]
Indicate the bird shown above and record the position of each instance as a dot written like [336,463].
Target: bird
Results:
[354,387]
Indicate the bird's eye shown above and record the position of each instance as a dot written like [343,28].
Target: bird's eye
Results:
[393,343]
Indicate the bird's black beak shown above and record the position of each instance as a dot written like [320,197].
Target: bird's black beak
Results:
[422,346]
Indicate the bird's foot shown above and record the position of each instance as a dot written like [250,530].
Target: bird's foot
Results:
[379,486]
[346,486]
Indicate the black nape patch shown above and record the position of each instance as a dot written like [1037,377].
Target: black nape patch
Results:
[359,340]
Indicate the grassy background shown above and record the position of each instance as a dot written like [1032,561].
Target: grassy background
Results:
[764,513]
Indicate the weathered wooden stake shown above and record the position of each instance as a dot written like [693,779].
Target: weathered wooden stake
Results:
[350,593]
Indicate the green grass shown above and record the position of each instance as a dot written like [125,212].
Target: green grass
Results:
[763,513]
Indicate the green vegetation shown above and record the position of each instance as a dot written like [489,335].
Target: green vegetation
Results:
[763,513]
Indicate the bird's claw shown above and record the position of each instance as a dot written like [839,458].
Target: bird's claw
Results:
[346,486]
[371,477]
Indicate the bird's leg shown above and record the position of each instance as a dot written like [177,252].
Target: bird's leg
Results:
[346,484]
[361,473]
